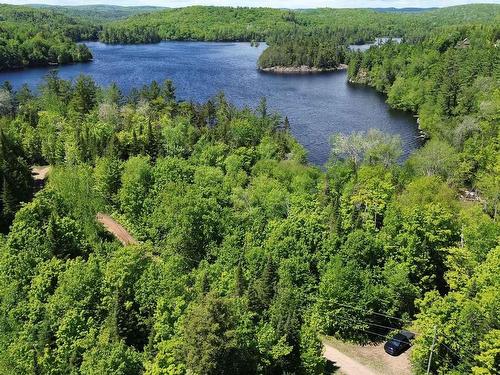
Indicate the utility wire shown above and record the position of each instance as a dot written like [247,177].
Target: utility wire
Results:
[372,312]
[470,354]
[384,336]
[376,324]
[465,350]
[465,359]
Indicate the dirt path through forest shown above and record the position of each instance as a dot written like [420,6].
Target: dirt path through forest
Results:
[347,365]
[116,230]
[358,359]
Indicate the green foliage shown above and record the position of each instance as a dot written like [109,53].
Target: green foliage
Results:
[33,37]
[248,254]
[211,341]
[258,24]
[466,316]
[15,178]
[182,301]
[447,77]
[322,49]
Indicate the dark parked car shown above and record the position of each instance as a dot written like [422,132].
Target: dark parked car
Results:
[399,343]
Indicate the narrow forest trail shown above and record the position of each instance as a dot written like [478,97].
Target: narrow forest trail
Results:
[346,364]
[116,230]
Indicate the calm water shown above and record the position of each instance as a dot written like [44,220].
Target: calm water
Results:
[317,105]
[377,42]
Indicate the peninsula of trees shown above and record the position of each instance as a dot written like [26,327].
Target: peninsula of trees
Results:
[33,37]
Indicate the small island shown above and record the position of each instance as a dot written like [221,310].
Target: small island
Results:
[302,52]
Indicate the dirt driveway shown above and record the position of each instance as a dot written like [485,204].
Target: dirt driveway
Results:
[365,360]
[346,364]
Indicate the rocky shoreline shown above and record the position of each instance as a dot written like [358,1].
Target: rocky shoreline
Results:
[300,69]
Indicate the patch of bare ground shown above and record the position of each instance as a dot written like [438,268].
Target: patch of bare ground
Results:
[116,229]
[372,358]
[40,172]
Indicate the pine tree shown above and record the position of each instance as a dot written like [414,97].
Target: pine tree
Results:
[262,108]
[286,124]
[168,90]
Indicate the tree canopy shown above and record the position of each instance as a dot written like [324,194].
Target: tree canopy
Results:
[246,254]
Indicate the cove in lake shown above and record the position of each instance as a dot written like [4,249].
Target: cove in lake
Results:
[377,42]
[317,105]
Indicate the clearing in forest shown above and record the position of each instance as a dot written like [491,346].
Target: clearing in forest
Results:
[352,359]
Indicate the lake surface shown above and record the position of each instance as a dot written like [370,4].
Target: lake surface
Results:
[377,42]
[317,105]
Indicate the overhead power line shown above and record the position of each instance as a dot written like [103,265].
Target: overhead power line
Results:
[469,359]
[372,312]
[384,336]
[375,324]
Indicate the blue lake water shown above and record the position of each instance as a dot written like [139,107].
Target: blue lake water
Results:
[317,105]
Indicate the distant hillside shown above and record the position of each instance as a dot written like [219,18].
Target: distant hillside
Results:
[403,10]
[100,13]
[246,24]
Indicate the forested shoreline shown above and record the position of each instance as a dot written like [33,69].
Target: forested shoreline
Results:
[247,255]
[35,37]
[315,38]
[210,23]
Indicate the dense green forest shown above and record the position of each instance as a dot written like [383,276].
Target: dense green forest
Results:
[448,79]
[321,49]
[451,80]
[32,37]
[47,35]
[247,254]
[199,23]
[247,24]
[100,13]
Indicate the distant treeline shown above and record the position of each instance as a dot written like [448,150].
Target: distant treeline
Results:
[247,24]
[315,38]
[100,13]
[48,35]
